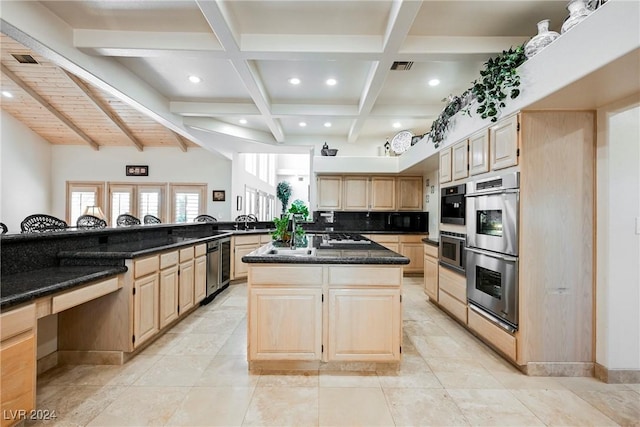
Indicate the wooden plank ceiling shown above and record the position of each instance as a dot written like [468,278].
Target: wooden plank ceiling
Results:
[65,110]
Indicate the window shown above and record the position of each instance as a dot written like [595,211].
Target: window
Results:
[151,201]
[121,201]
[260,204]
[187,201]
[80,195]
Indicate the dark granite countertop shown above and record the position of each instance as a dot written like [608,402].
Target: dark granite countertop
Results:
[353,253]
[432,242]
[23,287]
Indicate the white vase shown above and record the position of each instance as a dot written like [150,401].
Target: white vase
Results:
[578,10]
[540,40]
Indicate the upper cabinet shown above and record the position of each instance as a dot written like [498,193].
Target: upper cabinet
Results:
[369,193]
[445,165]
[503,138]
[329,193]
[460,156]
[479,152]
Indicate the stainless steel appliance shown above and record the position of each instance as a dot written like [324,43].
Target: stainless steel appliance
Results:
[452,204]
[218,266]
[492,213]
[452,251]
[492,248]
[407,221]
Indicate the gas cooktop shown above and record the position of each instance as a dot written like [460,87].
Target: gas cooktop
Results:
[344,238]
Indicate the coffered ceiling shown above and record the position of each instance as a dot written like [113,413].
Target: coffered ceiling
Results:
[245,52]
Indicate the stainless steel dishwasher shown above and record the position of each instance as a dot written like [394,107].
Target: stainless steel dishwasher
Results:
[218,266]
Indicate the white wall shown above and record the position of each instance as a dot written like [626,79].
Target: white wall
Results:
[618,239]
[432,201]
[197,165]
[25,179]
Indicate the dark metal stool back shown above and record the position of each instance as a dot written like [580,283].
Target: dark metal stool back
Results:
[151,219]
[90,221]
[246,218]
[3,228]
[125,220]
[204,218]
[41,223]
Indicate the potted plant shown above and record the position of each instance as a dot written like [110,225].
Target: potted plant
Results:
[281,236]
[283,192]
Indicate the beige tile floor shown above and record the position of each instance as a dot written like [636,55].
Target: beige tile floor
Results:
[196,375]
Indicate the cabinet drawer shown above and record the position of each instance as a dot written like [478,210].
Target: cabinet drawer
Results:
[18,376]
[454,284]
[265,238]
[168,259]
[16,321]
[186,254]
[384,238]
[496,336]
[411,238]
[452,305]
[367,275]
[286,275]
[144,266]
[249,239]
[201,250]
[431,251]
[80,296]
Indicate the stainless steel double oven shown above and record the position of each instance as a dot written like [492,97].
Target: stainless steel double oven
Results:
[492,220]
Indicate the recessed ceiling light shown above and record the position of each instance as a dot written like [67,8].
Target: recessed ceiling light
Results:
[294,81]
[7,94]
[243,121]
[397,125]
[331,82]
[434,82]
[195,79]
[327,124]
[302,124]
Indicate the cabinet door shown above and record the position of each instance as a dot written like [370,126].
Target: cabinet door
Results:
[288,323]
[186,286]
[146,303]
[329,193]
[18,365]
[460,154]
[415,253]
[383,193]
[364,325]
[240,268]
[431,278]
[445,165]
[200,286]
[168,295]
[355,195]
[503,138]
[479,153]
[410,193]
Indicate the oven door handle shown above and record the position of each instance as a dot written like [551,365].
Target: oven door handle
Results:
[492,254]
[493,192]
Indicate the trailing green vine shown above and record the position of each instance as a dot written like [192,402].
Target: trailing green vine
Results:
[498,81]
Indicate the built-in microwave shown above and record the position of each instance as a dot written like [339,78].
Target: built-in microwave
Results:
[407,221]
[452,253]
[452,205]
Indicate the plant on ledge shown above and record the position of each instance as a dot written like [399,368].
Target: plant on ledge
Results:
[498,81]
[283,192]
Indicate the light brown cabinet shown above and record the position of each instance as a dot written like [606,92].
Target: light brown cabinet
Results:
[200,286]
[18,363]
[383,193]
[452,293]
[460,160]
[356,193]
[241,246]
[146,321]
[329,193]
[409,193]
[411,247]
[479,152]
[370,193]
[168,295]
[445,170]
[504,142]
[431,272]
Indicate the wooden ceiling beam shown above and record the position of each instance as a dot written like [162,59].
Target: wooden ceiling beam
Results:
[11,75]
[105,109]
[181,143]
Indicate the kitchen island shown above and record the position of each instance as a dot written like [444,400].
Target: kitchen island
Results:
[329,305]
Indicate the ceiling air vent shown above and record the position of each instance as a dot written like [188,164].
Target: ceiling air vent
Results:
[402,65]
[24,59]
